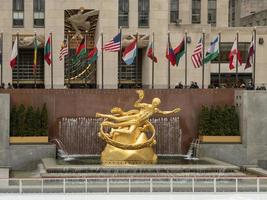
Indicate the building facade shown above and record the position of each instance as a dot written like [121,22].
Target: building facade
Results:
[139,18]
[255,19]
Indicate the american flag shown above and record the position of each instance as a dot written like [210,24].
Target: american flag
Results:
[64,50]
[113,45]
[197,55]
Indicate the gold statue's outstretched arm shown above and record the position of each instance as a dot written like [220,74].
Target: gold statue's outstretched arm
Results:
[176,110]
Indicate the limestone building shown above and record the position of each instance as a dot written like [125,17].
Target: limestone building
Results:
[247,12]
[136,17]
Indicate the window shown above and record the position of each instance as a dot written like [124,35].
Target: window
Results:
[196,6]
[225,49]
[143,13]
[228,79]
[123,13]
[38,13]
[212,4]
[25,72]
[232,13]
[18,13]
[174,11]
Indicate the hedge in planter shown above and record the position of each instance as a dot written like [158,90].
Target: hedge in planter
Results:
[219,121]
[28,122]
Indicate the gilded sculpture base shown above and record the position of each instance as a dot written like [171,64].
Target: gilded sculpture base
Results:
[116,156]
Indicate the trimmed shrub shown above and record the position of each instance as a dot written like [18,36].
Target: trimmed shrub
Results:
[28,122]
[221,121]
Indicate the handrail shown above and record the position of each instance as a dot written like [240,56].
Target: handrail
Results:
[146,177]
[146,184]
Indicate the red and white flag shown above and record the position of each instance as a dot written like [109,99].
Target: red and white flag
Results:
[197,56]
[251,52]
[14,54]
[233,55]
[64,50]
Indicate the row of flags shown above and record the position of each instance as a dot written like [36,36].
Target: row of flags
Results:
[130,52]
[174,55]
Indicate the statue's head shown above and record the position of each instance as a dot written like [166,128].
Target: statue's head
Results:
[81,9]
[116,110]
[156,102]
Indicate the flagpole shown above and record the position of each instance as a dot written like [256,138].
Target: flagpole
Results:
[85,42]
[153,72]
[18,60]
[136,72]
[120,54]
[52,62]
[169,66]
[185,79]
[102,57]
[219,58]
[254,59]
[69,61]
[236,73]
[2,41]
[35,62]
[203,64]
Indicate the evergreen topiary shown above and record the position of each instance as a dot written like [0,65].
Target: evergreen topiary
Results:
[44,119]
[204,122]
[28,122]
[20,120]
[219,121]
[37,122]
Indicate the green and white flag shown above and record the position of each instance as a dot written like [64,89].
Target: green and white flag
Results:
[213,50]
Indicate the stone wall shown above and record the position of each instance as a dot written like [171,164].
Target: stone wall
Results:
[4,127]
[85,103]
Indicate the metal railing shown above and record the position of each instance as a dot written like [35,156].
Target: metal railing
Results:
[132,185]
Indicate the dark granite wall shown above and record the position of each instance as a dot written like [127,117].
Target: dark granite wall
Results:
[82,102]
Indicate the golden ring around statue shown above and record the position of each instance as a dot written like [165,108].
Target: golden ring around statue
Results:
[150,142]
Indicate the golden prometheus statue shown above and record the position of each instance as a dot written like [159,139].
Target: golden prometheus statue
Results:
[126,133]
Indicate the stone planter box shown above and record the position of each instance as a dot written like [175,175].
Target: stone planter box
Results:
[28,140]
[220,139]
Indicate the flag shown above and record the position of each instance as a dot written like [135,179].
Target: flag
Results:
[170,54]
[197,54]
[92,56]
[233,55]
[95,52]
[35,53]
[47,51]
[213,50]
[179,51]
[64,50]
[113,45]
[81,50]
[129,53]
[150,53]
[251,52]
[14,54]
[79,53]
